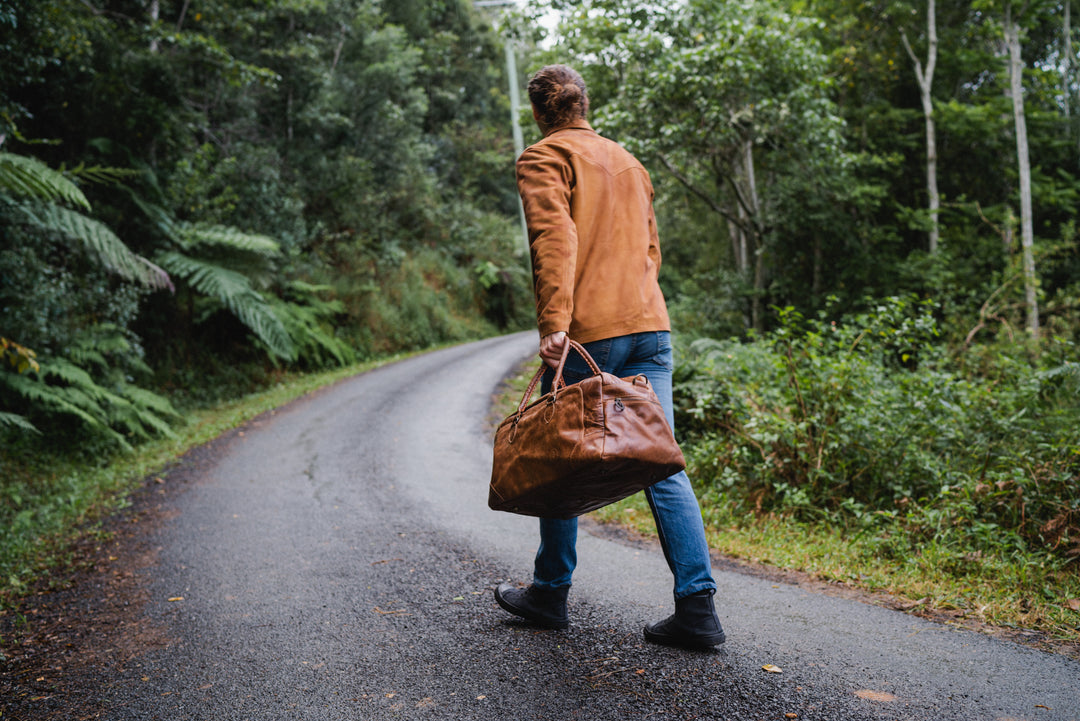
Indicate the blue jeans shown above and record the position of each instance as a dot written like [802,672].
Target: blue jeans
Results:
[673,504]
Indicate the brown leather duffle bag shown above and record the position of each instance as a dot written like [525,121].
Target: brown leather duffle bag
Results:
[581,446]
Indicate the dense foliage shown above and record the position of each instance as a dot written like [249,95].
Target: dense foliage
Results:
[866,421]
[195,193]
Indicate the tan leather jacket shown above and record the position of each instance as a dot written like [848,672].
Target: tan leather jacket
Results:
[592,233]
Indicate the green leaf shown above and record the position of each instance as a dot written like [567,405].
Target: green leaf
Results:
[30,178]
[234,290]
[100,241]
[230,238]
[16,421]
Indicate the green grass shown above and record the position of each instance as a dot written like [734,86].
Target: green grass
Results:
[48,502]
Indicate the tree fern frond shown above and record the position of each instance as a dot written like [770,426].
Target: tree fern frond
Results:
[62,387]
[101,241]
[313,341]
[84,355]
[138,421]
[306,288]
[79,382]
[28,177]
[105,338]
[158,215]
[225,237]
[235,291]
[37,392]
[1065,376]
[102,175]
[13,420]
[150,400]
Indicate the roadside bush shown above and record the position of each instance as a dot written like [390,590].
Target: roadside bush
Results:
[865,422]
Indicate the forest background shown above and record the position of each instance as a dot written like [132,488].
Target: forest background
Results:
[867,209]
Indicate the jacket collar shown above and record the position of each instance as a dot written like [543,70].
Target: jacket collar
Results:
[580,124]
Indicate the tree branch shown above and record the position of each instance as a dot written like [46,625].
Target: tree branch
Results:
[708,199]
[183,13]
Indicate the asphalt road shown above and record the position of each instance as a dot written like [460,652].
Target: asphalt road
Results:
[337,561]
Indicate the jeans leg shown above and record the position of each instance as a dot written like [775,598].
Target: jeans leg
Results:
[672,501]
[556,558]
[682,534]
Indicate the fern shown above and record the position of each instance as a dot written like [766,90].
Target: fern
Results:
[234,291]
[63,388]
[150,401]
[314,341]
[13,420]
[51,398]
[30,178]
[1064,377]
[309,320]
[191,235]
[103,175]
[101,241]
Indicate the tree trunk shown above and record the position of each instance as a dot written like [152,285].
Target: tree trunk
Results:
[155,15]
[1070,72]
[1027,233]
[1067,68]
[757,242]
[815,284]
[925,78]
[183,14]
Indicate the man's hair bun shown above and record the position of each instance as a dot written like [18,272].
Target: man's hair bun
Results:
[558,93]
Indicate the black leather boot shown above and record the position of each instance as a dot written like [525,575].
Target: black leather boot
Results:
[694,624]
[542,606]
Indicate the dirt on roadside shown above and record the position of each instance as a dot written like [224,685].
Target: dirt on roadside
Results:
[65,639]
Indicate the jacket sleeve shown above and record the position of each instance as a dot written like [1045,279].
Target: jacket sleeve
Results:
[545,180]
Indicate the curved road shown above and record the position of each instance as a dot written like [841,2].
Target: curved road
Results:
[337,560]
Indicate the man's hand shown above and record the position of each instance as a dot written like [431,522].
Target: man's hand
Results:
[551,347]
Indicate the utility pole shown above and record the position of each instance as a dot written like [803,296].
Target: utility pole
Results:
[515,108]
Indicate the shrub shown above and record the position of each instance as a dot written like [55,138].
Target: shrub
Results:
[864,421]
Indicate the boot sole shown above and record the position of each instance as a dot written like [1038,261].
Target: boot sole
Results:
[691,642]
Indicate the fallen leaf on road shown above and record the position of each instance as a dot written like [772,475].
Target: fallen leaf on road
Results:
[791,715]
[1039,705]
[772,669]
[875,695]
[481,698]
[398,612]
[174,599]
